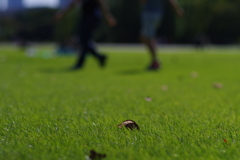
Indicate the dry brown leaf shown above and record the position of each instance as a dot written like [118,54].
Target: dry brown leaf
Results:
[129,124]
[194,74]
[148,99]
[217,85]
[96,156]
[164,88]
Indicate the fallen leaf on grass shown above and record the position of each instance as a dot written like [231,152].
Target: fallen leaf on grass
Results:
[96,156]
[217,85]
[194,74]
[164,88]
[225,141]
[129,124]
[148,99]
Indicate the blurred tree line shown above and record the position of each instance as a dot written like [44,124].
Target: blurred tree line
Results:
[216,21]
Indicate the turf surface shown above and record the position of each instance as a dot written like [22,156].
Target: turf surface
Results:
[50,113]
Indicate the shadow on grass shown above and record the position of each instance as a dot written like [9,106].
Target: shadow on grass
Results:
[57,70]
[121,72]
[132,71]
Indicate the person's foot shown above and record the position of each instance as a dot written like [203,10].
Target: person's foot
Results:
[154,66]
[102,60]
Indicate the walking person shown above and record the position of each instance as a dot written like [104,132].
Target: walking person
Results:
[91,14]
[151,16]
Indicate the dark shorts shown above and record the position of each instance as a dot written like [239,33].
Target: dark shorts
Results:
[150,23]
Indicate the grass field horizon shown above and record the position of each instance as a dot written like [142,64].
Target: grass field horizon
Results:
[50,113]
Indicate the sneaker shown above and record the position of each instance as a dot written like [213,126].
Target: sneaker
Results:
[102,60]
[154,66]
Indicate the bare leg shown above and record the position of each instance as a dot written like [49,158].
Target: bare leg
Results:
[152,47]
[151,44]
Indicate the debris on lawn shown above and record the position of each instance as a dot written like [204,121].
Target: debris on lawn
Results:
[129,124]
[194,74]
[95,156]
[225,141]
[149,99]
[217,85]
[164,87]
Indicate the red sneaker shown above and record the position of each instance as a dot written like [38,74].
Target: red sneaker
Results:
[154,66]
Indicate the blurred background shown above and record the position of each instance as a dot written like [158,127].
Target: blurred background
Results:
[205,22]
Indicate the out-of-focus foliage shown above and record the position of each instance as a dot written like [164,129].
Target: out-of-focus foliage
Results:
[32,24]
[216,20]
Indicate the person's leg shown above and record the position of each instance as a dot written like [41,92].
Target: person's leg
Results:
[92,24]
[87,47]
[81,58]
[95,22]
[92,48]
[82,33]
[151,45]
[101,58]
[150,22]
[87,29]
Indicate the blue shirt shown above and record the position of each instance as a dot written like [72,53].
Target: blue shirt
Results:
[154,6]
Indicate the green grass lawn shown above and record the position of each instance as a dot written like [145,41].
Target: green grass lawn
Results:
[49,113]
